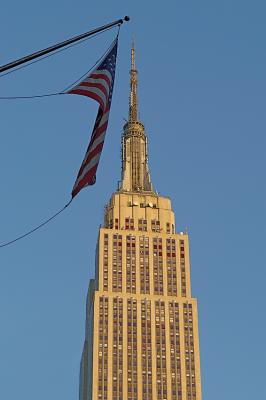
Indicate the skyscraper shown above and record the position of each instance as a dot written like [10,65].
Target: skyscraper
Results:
[141,340]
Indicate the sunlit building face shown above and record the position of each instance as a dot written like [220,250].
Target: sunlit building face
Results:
[141,322]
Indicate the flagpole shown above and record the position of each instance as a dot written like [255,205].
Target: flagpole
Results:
[57,46]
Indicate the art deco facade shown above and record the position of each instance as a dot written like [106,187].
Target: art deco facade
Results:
[142,324]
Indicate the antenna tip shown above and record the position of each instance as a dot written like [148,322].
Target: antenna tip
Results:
[126,18]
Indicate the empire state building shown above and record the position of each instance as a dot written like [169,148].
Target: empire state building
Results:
[141,339]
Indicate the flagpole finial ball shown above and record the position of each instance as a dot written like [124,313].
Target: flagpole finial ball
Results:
[126,18]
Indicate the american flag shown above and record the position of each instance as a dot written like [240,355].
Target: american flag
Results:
[99,86]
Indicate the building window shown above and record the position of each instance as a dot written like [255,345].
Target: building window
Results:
[129,223]
[142,224]
[155,225]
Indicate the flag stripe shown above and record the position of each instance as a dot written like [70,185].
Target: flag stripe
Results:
[89,166]
[87,93]
[99,127]
[93,147]
[97,91]
[100,130]
[103,73]
[89,156]
[96,82]
[90,86]
[98,140]
[89,179]
[103,119]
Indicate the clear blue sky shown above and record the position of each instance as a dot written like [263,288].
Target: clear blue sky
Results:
[202,98]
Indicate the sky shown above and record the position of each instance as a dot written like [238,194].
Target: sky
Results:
[202,99]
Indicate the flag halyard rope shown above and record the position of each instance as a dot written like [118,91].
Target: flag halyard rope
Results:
[36,228]
[50,55]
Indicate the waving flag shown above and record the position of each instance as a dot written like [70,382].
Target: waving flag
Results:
[98,85]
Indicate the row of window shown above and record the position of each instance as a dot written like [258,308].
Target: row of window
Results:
[141,224]
[131,264]
[117,349]
[183,268]
[103,349]
[132,349]
[146,350]
[171,267]
[189,349]
[144,265]
[158,266]
[117,264]
[175,354]
[160,341]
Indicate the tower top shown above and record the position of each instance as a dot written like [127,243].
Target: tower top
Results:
[135,170]
[133,98]
[133,64]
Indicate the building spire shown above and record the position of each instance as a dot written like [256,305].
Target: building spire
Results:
[135,170]
[133,99]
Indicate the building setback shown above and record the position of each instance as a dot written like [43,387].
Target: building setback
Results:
[141,340]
